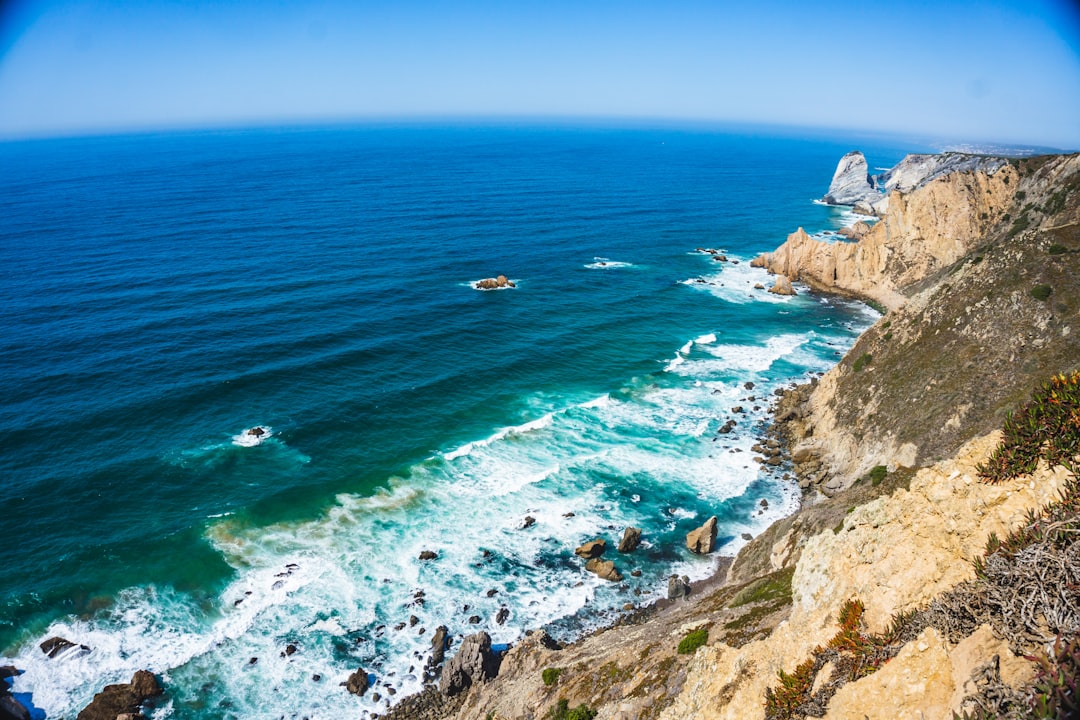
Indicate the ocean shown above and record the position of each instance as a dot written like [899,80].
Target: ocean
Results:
[164,293]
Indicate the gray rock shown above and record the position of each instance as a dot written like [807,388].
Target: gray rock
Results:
[851,182]
[678,587]
[474,663]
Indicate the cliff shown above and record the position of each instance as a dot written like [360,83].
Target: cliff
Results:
[867,602]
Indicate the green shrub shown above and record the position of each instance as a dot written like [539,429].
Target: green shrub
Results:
[862,362]
[1058,249]
[551,675]
[1041,292]
[563,711]
[877,474]
[888,336]
[693,640]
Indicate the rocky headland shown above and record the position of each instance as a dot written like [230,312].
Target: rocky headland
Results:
[899,589]
[934,566]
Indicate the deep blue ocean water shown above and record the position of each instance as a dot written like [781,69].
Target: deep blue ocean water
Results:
[160,294]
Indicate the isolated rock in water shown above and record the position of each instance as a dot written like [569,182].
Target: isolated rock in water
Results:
[494,283]
[591,549]
[438,646]
[474,662]
[528,522]
[782,286]
[703,540]
[428,555]
[56,645]
[116,700]
[357,683]
[631,538]
[851,182]
[678,587]
[604,569]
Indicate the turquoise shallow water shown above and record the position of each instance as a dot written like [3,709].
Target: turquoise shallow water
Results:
[162,293]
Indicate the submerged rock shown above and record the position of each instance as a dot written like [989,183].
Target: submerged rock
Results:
[56,645]
[703,539]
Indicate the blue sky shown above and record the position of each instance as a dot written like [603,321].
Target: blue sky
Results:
[959,71]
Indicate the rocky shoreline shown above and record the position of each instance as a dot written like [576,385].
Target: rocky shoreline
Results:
[886,449]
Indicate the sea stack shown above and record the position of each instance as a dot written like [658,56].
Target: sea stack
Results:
[851,182]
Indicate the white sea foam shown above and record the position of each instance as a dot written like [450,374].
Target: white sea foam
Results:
[253,436]
[338,585]
[600,263]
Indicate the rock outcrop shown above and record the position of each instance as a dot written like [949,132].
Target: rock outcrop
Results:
[591,549]
[916,170]
[604,569]
[57,645]
[703,539]
[496,283]
[782,286]
[125,698]
[474,663]
[851,182]
[358,682]
[630,540]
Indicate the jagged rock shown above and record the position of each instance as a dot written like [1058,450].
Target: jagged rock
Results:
[591,549]
[502,615]
[851,182]
[494,283]
[703,539]
[116,700]
[474,620]
[782,286]
[630,540]
[678,587]
[357,683]
[438,646]
[428,555]
[473,663]
[604,569]
[856,231]
[56,645]
[528,522]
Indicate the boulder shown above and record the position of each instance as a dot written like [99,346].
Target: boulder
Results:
[678,587]
[494,283]
[502,615]
[591,549]
[474,663]
[528,522]
[604,569]
[782,286]
[438,646]
[851,182]
[631,538]
[116,700]
[56,645]
[703,540]
[428,555]
[357,683]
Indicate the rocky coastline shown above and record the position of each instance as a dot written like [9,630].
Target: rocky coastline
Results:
[887,449]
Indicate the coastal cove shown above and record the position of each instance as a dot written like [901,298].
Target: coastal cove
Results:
[168,292]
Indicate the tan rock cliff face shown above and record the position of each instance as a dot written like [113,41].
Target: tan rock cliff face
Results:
[894,553]
[923,231]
